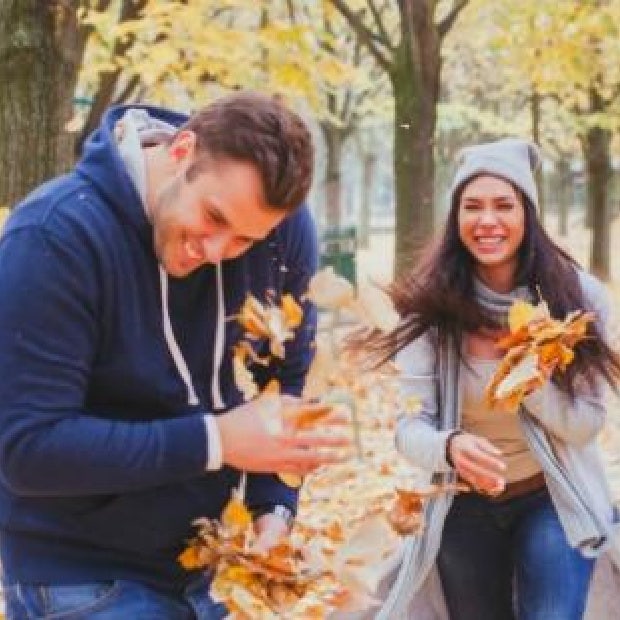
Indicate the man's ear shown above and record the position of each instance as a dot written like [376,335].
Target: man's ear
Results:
[183,146]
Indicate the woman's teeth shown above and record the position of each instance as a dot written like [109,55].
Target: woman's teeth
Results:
[489,240]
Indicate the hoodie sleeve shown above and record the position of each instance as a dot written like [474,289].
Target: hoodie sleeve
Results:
[300,264]
[49,334]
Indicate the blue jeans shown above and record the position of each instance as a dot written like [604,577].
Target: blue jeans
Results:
[487,547]
[114,600]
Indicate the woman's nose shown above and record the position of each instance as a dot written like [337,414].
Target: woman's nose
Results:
[487,216]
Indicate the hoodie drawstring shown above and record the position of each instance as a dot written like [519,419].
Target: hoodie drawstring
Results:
[218,347]
[175,351]
[171,341]
[218,353]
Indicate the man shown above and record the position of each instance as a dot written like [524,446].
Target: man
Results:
[119,419]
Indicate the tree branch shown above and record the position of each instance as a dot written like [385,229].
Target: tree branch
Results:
[384,37]
[130,10]
[448,21]
[291,11]
[363,33]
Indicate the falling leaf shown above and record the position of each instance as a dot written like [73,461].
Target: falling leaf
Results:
[190,559]
[236,517]
[252,318]
[324,370]
[306,415]
[293,312]
[407,514]
[360,562]
[244,380]
[330,291]
[374,308]
[291,480]
[270,321]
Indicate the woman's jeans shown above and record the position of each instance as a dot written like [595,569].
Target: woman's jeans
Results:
[487,547]
[115,600]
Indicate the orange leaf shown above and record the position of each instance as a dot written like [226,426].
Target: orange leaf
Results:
[293,312]
[190,559]
[235,516]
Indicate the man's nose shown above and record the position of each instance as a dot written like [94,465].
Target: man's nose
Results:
[214,248]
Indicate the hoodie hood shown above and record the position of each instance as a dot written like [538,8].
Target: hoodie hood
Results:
[102,163]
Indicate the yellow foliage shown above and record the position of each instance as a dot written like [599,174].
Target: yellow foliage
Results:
[536,346]
[235,516]
[180,48]
[520,315]
[4,213]
[190,559]
[293,312]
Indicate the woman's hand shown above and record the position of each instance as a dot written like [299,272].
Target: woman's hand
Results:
[477,462]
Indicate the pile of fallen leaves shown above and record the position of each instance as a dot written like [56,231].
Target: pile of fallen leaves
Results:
[536,346]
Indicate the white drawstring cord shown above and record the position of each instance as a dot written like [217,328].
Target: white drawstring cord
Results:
[173,346]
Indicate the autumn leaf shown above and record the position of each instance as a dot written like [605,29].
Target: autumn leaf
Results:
[522,373]
[244,379]
[293,313]
[190,559]
[270,321]
[407,513]
[522,313]
[537,346]
[330,291]
[375,309]
[236,517]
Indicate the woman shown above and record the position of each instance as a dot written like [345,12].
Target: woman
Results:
[523,543]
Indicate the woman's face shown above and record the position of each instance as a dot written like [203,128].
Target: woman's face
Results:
[491,220]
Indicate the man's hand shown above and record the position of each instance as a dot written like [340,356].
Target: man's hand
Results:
[250,441]
[476,461]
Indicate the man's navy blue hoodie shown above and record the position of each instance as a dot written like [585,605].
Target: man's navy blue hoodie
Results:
[102,461]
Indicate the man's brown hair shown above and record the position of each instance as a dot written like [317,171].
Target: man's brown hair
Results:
[258,129]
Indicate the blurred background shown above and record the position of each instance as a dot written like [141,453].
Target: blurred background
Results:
[392,90]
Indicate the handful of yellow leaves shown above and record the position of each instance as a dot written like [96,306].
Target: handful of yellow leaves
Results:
[536,346]
[255,584]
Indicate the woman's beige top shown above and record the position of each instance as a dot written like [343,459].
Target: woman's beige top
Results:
[498,425]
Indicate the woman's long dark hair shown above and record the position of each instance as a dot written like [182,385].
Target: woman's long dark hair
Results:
[438,295]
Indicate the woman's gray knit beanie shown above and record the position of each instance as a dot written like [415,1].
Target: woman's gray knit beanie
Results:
[512,159]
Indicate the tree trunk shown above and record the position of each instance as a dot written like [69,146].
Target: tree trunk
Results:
[535,101]
[598,166]
[40,52]
[334,141]
[564,193]
[415,83]
[369,166]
